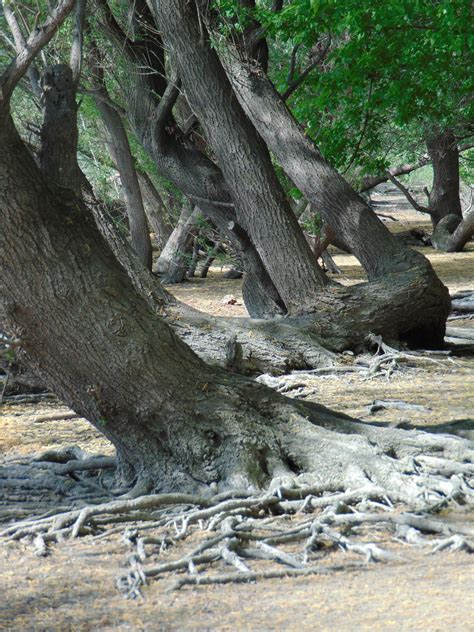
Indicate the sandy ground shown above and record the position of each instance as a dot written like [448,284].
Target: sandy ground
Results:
[73,588]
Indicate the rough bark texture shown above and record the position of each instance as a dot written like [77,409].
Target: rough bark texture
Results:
[119,148]
[444,196]
[155,209]
[59,135]
[172,263]
[244,159]
[177,423]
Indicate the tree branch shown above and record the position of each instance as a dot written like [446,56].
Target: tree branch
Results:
[97,93]
[77,40]
[409,197]
[296,83]
[291,71]
[19,45]
[38,38]
[163,111]
[372,181]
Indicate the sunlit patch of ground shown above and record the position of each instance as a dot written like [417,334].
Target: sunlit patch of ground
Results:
[73,588]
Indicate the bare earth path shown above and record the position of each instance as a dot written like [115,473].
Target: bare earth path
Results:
[73,588]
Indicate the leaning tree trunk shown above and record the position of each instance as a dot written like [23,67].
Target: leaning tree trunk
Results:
[444,198]
[119,148]
[260,202]
[390,266]
[155,209]
[172,264]
[176,422]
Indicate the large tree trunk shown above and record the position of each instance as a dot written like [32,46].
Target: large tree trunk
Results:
[444,197]
[260,202]
[176,422]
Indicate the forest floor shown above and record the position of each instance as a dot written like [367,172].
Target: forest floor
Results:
[73,588]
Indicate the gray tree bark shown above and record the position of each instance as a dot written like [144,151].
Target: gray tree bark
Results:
[444,198]
[155,209]
[176,422]
[119,147]
[172,263]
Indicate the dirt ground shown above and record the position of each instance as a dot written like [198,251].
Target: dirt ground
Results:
[74,587]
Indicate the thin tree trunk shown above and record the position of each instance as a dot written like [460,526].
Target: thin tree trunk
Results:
[119,147]
[171,264]
[444,198]
[191,271]
[155,209]
[210,259]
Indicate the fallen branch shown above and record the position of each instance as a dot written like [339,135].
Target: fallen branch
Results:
[241,578]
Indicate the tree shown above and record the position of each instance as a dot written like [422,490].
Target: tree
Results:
[394,75]
[179,423]
[270,285]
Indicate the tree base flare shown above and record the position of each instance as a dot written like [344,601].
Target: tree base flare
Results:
[286,531]
[328,487]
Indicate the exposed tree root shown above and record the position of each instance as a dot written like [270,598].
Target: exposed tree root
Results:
[331,483]
[462,304]
[245,527]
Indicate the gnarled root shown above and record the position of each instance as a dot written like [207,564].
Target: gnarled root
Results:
[329,484]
